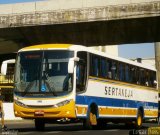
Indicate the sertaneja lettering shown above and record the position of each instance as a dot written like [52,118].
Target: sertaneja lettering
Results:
[128,93]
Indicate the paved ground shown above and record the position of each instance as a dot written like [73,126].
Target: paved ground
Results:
[27,128]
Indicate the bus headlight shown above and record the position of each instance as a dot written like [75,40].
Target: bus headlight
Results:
[62,103]
[20,103]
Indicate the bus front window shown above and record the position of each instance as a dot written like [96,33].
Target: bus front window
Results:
[43,73]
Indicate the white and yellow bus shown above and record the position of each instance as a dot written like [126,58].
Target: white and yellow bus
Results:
[7,71]
[55,81]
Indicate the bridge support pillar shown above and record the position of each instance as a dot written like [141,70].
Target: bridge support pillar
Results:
[157,60]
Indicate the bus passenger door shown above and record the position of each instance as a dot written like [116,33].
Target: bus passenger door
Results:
[81,77]
[81,72]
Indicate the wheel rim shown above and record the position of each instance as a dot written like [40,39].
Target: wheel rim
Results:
[139,120]
[93,119]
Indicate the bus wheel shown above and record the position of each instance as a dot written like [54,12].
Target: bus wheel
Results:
[139,120]
[101,124]
[39,124]
[90,121]
[129,124]
[158,120]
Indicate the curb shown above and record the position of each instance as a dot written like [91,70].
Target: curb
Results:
[17,121]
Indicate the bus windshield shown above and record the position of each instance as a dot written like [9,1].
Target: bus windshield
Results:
[43,73]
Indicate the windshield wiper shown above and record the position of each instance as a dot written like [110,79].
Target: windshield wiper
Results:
[50,87]
[29,86]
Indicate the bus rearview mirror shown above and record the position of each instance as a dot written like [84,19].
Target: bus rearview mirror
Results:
[71,64]
[4,69]
[4,65]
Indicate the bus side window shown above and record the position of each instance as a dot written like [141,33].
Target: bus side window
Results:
[114,70]
[137,75]
[134,74]
[141,76]
[153,79]
[147,81]
[126,73]
[121,72]
[104,68]
[109,72]
[131,74]
[95,65]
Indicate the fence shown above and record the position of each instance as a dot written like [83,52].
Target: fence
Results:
[6,80]
[6,86]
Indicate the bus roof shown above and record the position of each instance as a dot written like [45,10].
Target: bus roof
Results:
[87,49]
[46,47]
[83,48]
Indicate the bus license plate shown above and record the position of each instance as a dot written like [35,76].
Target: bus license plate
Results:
[39,113]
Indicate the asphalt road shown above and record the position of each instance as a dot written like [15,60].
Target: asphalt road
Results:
[27,128]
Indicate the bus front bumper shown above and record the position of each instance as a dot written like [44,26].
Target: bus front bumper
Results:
[66,111]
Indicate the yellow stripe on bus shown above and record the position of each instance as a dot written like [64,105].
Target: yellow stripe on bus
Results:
[151,113]
[47,46]
[81,110]
[117,111]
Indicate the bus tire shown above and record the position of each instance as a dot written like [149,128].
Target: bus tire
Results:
[129,125]
[139,120]
[158,120]
[39,124]
[91,121]
[101,124]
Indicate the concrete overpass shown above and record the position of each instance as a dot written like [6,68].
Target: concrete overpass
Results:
[87,22]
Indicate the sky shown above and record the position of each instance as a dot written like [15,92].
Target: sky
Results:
[145,50]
